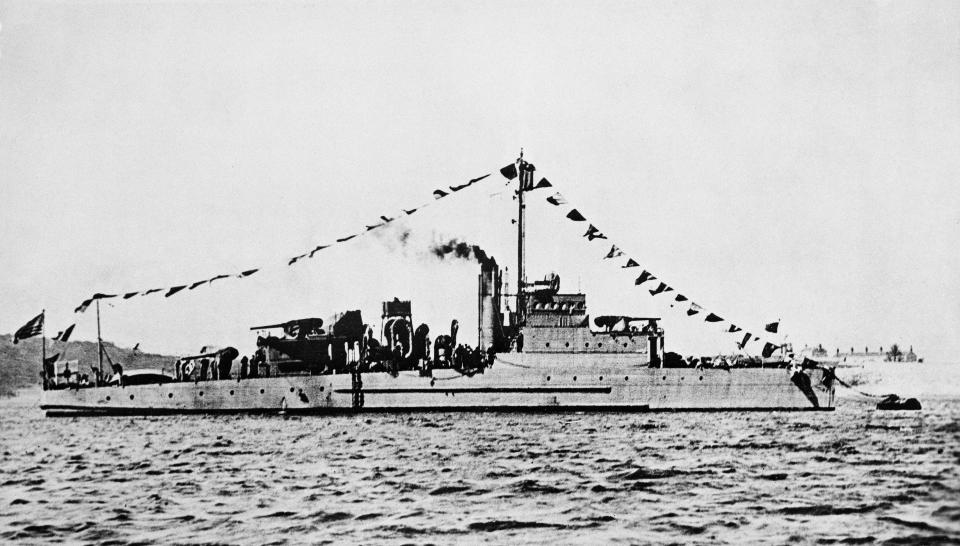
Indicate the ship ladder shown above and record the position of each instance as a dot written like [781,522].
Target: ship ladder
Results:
[357,387]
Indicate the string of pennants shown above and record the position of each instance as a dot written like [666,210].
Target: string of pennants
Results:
[169,291]
[659,287]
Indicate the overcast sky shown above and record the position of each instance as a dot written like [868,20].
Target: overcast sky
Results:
[793,160]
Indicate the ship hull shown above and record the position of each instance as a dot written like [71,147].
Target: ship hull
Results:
[501,387]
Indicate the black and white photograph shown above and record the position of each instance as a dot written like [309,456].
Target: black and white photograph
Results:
[505,272]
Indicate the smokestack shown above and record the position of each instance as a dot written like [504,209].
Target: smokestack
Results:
[488,303]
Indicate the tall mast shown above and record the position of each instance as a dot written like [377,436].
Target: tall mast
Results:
[526,182]
[99,347]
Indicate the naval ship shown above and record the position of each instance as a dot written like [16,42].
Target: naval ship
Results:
[542,353]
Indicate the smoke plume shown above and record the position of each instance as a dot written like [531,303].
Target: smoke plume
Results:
[460,250]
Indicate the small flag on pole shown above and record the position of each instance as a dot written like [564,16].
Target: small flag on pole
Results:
[32,328]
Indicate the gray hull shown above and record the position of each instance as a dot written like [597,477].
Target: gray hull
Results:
[507,387]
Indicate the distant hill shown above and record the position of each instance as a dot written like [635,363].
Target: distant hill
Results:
[20,363]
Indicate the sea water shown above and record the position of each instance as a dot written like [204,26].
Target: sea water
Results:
[851,476]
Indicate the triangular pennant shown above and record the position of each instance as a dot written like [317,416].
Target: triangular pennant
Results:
[65,335]
[99,296]
[644,277]
[593,233]
[198,283]
[410,211]
[479,178]
[218,277]
[374,226]
[318,249]
[385,219]
[83,306]
[575,215]
[345,239]
[713,318]
[247,273]
[660,289]
[614,252]
[630,263]
[694,309]
[543,183]
[733,328]
[437,194]
[556,199]
[510,171]
[295,259]
[680,297]
[743,342]
[152,290]
[129,295]
[173,290]
[772,327]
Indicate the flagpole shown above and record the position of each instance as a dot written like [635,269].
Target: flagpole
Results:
[99,348]
[43,341]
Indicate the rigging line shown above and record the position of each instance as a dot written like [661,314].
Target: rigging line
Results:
[845,384]
[358,234]
[405,213]
[620,248]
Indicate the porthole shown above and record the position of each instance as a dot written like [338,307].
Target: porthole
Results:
[321,388]
[567,344]
[201,393]
[261,391]
[108,399]
[574,378]
[664,378]
[624,344]
[291,389]
[601,378]
[626,378]
[701,378]
[231,393]
[548,379]
[599,344]
[587,344]
[548,344]
[131,397]
[170,395]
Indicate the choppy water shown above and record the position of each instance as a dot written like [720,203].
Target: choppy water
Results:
[849,477]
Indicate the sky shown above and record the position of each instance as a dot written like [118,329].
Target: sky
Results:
[770,160]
